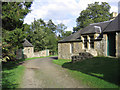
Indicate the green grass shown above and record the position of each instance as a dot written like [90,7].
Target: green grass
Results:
[98,72]
[12,78]
[12,73]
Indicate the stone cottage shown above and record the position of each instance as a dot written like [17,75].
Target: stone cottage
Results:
[98,39]
[27,51]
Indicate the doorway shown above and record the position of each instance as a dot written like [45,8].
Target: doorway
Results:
[111,44]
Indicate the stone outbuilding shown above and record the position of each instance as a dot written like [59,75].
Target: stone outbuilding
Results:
[27,51]
[98,39]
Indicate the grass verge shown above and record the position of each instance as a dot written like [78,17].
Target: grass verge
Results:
[12,73]
[98,72]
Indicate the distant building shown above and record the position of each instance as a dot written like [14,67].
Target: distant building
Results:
[98,39]
[28,51]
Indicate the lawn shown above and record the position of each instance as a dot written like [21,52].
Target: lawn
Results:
[12,73]
[98,72]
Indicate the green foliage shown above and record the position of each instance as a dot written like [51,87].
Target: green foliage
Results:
[52,26]
[13,14]
[42,35]
[66,34]
[13,32]
[98,72]
[12,40]
[94,13]
[60,29]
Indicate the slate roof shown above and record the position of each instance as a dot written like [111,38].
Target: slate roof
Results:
[73,37]
[106,27]
[27,43]
[90,29]
[114,25]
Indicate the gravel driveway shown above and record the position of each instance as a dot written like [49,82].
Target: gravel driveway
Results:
[42,73]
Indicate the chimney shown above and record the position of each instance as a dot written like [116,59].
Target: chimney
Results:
[114,14]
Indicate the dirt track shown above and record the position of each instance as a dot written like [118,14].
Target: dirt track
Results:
[42,73]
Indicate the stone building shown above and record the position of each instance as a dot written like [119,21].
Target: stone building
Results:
[98,39]
[27,51]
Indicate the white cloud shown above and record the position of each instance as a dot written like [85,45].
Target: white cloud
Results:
[62,11]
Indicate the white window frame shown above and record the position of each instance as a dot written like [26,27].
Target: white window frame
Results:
[71,47]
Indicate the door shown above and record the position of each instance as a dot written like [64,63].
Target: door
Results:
[111,44]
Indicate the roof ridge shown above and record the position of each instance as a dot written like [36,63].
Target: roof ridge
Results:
[27,43]
[100,22]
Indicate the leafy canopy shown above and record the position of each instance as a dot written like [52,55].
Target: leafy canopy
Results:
[13,30]
[13,14]
[94,13]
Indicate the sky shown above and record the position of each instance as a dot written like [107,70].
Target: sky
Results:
[62,11]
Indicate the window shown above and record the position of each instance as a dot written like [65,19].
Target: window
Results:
[85,42]
[92,44]
[28,50]
[91,41]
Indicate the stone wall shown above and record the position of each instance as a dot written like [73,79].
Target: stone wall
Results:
[64,51]
[77,47]
[41,53]
[28,52]
[101,46]
[82,56]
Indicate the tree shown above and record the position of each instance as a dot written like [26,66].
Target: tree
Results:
[42,36]
[94,13]
[36,34]
[51,26]
[60,29]
[12,40]
[13,14]
[13,31]
[66,34]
